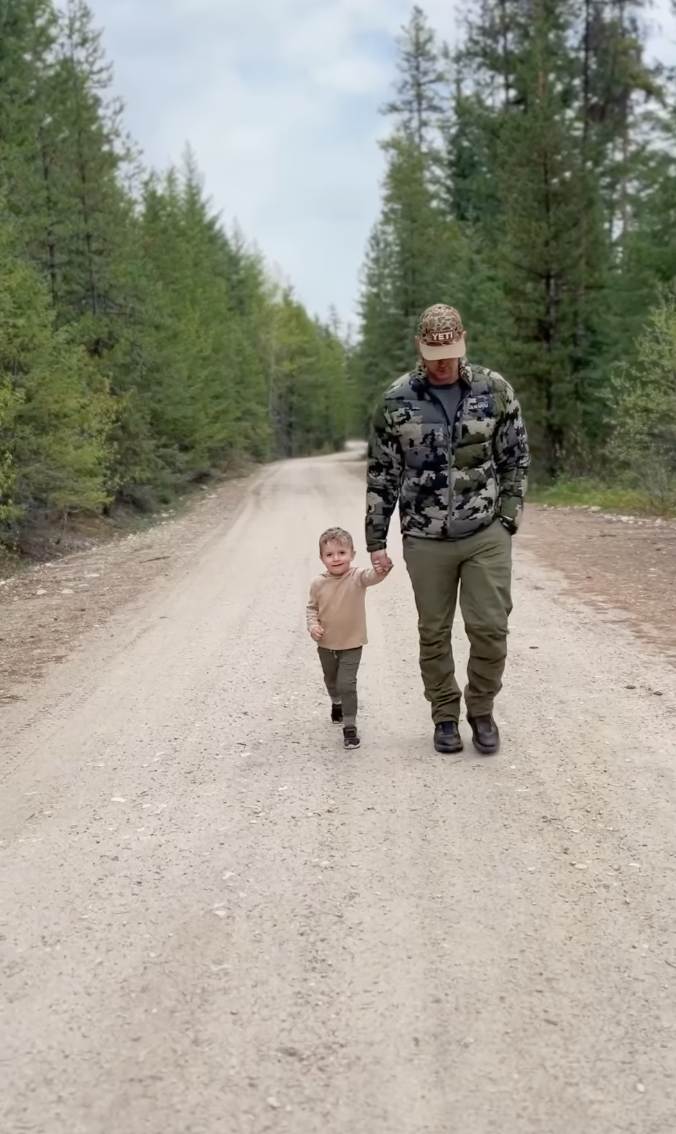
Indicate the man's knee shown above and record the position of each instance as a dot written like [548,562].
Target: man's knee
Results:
[487,641]
[433,633]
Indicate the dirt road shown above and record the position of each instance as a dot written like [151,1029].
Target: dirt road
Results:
[215,920]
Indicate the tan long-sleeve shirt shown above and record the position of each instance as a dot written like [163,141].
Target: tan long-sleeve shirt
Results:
[337,603]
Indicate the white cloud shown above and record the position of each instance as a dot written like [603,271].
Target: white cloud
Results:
[357,75]
[279,99]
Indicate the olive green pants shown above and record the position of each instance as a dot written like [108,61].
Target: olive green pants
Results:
[340,668]
[480,567]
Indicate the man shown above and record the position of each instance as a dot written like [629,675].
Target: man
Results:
[449,445]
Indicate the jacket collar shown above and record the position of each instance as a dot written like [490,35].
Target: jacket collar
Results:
[421,382]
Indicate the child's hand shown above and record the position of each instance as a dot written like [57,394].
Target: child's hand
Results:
[381,562]
[317,633]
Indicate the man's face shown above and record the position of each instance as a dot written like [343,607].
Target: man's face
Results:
[442,369]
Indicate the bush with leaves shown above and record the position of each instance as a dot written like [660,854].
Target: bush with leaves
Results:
[643,444]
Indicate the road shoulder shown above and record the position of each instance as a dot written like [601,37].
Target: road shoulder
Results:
[47,610]
[621,565]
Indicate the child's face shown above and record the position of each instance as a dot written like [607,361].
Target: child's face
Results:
[337,557]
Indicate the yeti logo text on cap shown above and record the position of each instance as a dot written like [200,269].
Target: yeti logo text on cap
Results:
[441,333]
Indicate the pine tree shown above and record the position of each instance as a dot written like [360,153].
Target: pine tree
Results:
[406,260]
[418,105]
[627,140]
[92,211]
[618,87]
[376,355]
[28,32]
[55,412]
[530,218]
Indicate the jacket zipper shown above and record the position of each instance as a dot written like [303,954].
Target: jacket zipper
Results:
[450,429]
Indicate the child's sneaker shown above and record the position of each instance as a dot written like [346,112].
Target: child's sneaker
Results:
[351,738]
[336,713]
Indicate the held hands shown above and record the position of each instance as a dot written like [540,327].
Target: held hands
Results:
[381,562]
[317,633]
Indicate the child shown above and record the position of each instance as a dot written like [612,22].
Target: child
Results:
[336,619]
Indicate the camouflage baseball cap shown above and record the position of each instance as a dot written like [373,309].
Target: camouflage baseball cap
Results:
[440,333]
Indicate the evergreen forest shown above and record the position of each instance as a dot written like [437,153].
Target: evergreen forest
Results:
[530,181]
[144,346]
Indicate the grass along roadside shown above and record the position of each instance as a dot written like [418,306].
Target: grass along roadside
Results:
[588,493]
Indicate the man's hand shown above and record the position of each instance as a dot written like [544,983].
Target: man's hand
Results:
[381,562]
[317,633]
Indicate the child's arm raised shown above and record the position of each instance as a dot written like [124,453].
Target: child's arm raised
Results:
[371,576]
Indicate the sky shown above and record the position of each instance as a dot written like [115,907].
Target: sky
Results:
[280,101]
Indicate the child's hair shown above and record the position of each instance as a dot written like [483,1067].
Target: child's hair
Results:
[335,535]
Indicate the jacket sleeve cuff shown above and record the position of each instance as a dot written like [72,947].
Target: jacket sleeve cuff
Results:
[510,512]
